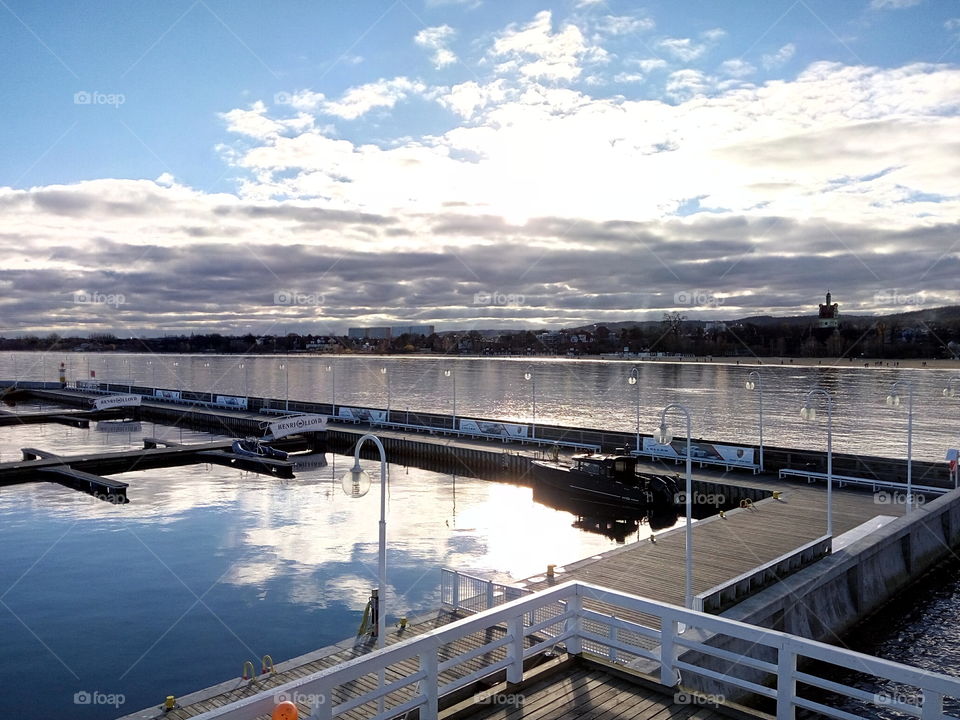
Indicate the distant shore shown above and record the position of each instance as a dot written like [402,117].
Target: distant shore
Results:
[918,363]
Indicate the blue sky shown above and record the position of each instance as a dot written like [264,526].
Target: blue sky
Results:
[697,138]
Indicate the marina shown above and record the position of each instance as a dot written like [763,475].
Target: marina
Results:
[775,527]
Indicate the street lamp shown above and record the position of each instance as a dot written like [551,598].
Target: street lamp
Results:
[893,400]
[809,412]
[664,437]
[286,366]
[531,375]
[356,483]
[453,376]
[333,388]
[949,391]
[755,382]
[246,378]
[383,371]
[634,379]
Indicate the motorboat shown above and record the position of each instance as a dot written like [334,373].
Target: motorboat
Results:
[252,447]
[608,479]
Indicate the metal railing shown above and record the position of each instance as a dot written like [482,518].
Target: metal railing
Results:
[416,673]
[471,594]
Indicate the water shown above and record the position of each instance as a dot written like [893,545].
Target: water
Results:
[583,393]
[208,566]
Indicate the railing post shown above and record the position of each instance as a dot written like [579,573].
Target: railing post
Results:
[786,680]
[614,634]
[489,594]
[932,705]
[668,630]
[574,624]
[515,668]
[430,684]
[321,707]
[456,590]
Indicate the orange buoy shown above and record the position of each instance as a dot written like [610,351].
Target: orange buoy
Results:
[285,711]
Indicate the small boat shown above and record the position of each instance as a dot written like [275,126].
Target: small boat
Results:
[609,480]
[252,447]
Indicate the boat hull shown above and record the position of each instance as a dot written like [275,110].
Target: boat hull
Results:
[595,489]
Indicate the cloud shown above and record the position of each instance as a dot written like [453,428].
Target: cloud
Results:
[737,68]
[539,53]
[623,24]
[437,39]
[893,4]
[358,101]
[687,49]
[780,57]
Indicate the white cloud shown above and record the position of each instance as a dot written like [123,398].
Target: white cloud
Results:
[437,39]
[358,101]
[952,24]
[539,53]
[623,24]
[648,65]
[780,57]
[685,83]
[893,4]
[737,68]
[466,99]
[684,49]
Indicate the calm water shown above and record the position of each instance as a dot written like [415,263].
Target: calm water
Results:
[207,567]
[587,393]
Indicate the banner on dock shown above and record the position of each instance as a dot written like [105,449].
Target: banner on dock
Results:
[167,394]
[113,426]
[298,424]
[88,385]
[494,429]
[232,401]
[362,414]
[115,401]
[700,451]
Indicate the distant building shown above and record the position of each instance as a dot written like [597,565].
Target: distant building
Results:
[386,333]
[829,315]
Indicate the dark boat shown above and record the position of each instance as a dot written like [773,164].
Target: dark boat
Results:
[608,480]
[252,447]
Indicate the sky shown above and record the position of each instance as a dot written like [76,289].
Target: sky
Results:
[236,166]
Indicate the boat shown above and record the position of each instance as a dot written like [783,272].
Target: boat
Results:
[252,447]
[608,479]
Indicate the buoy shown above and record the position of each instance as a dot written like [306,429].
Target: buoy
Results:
[285,711]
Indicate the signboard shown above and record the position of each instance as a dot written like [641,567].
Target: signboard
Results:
[297,424]
[494,429]
[88,385]
[677,450]
[168,394]
[232,401]
[362,414]
[119,427]
[115,401]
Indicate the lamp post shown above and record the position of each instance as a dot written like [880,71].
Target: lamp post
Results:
[356,483]
[949,391]
[893,400]
[755,382]
[664,437]
[809,412]
[634,379]
[383,371]
[531,375]
[333,388]
[246,378]
[286,391]
[453,376]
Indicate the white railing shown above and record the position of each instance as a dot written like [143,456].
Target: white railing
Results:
[468,593]
[416,673]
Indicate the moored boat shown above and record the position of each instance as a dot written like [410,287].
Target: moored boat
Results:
[252,447]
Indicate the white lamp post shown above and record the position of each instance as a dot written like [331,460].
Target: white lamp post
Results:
[664,437]
[809,412]
[383,371]
[755,382]
[333,388]
[286,386]
[531,375]
[453,376]
[634,379]
[356,483]
[246,378]
[893,400]
[949,391]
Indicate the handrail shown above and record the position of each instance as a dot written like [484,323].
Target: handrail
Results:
[517,619]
